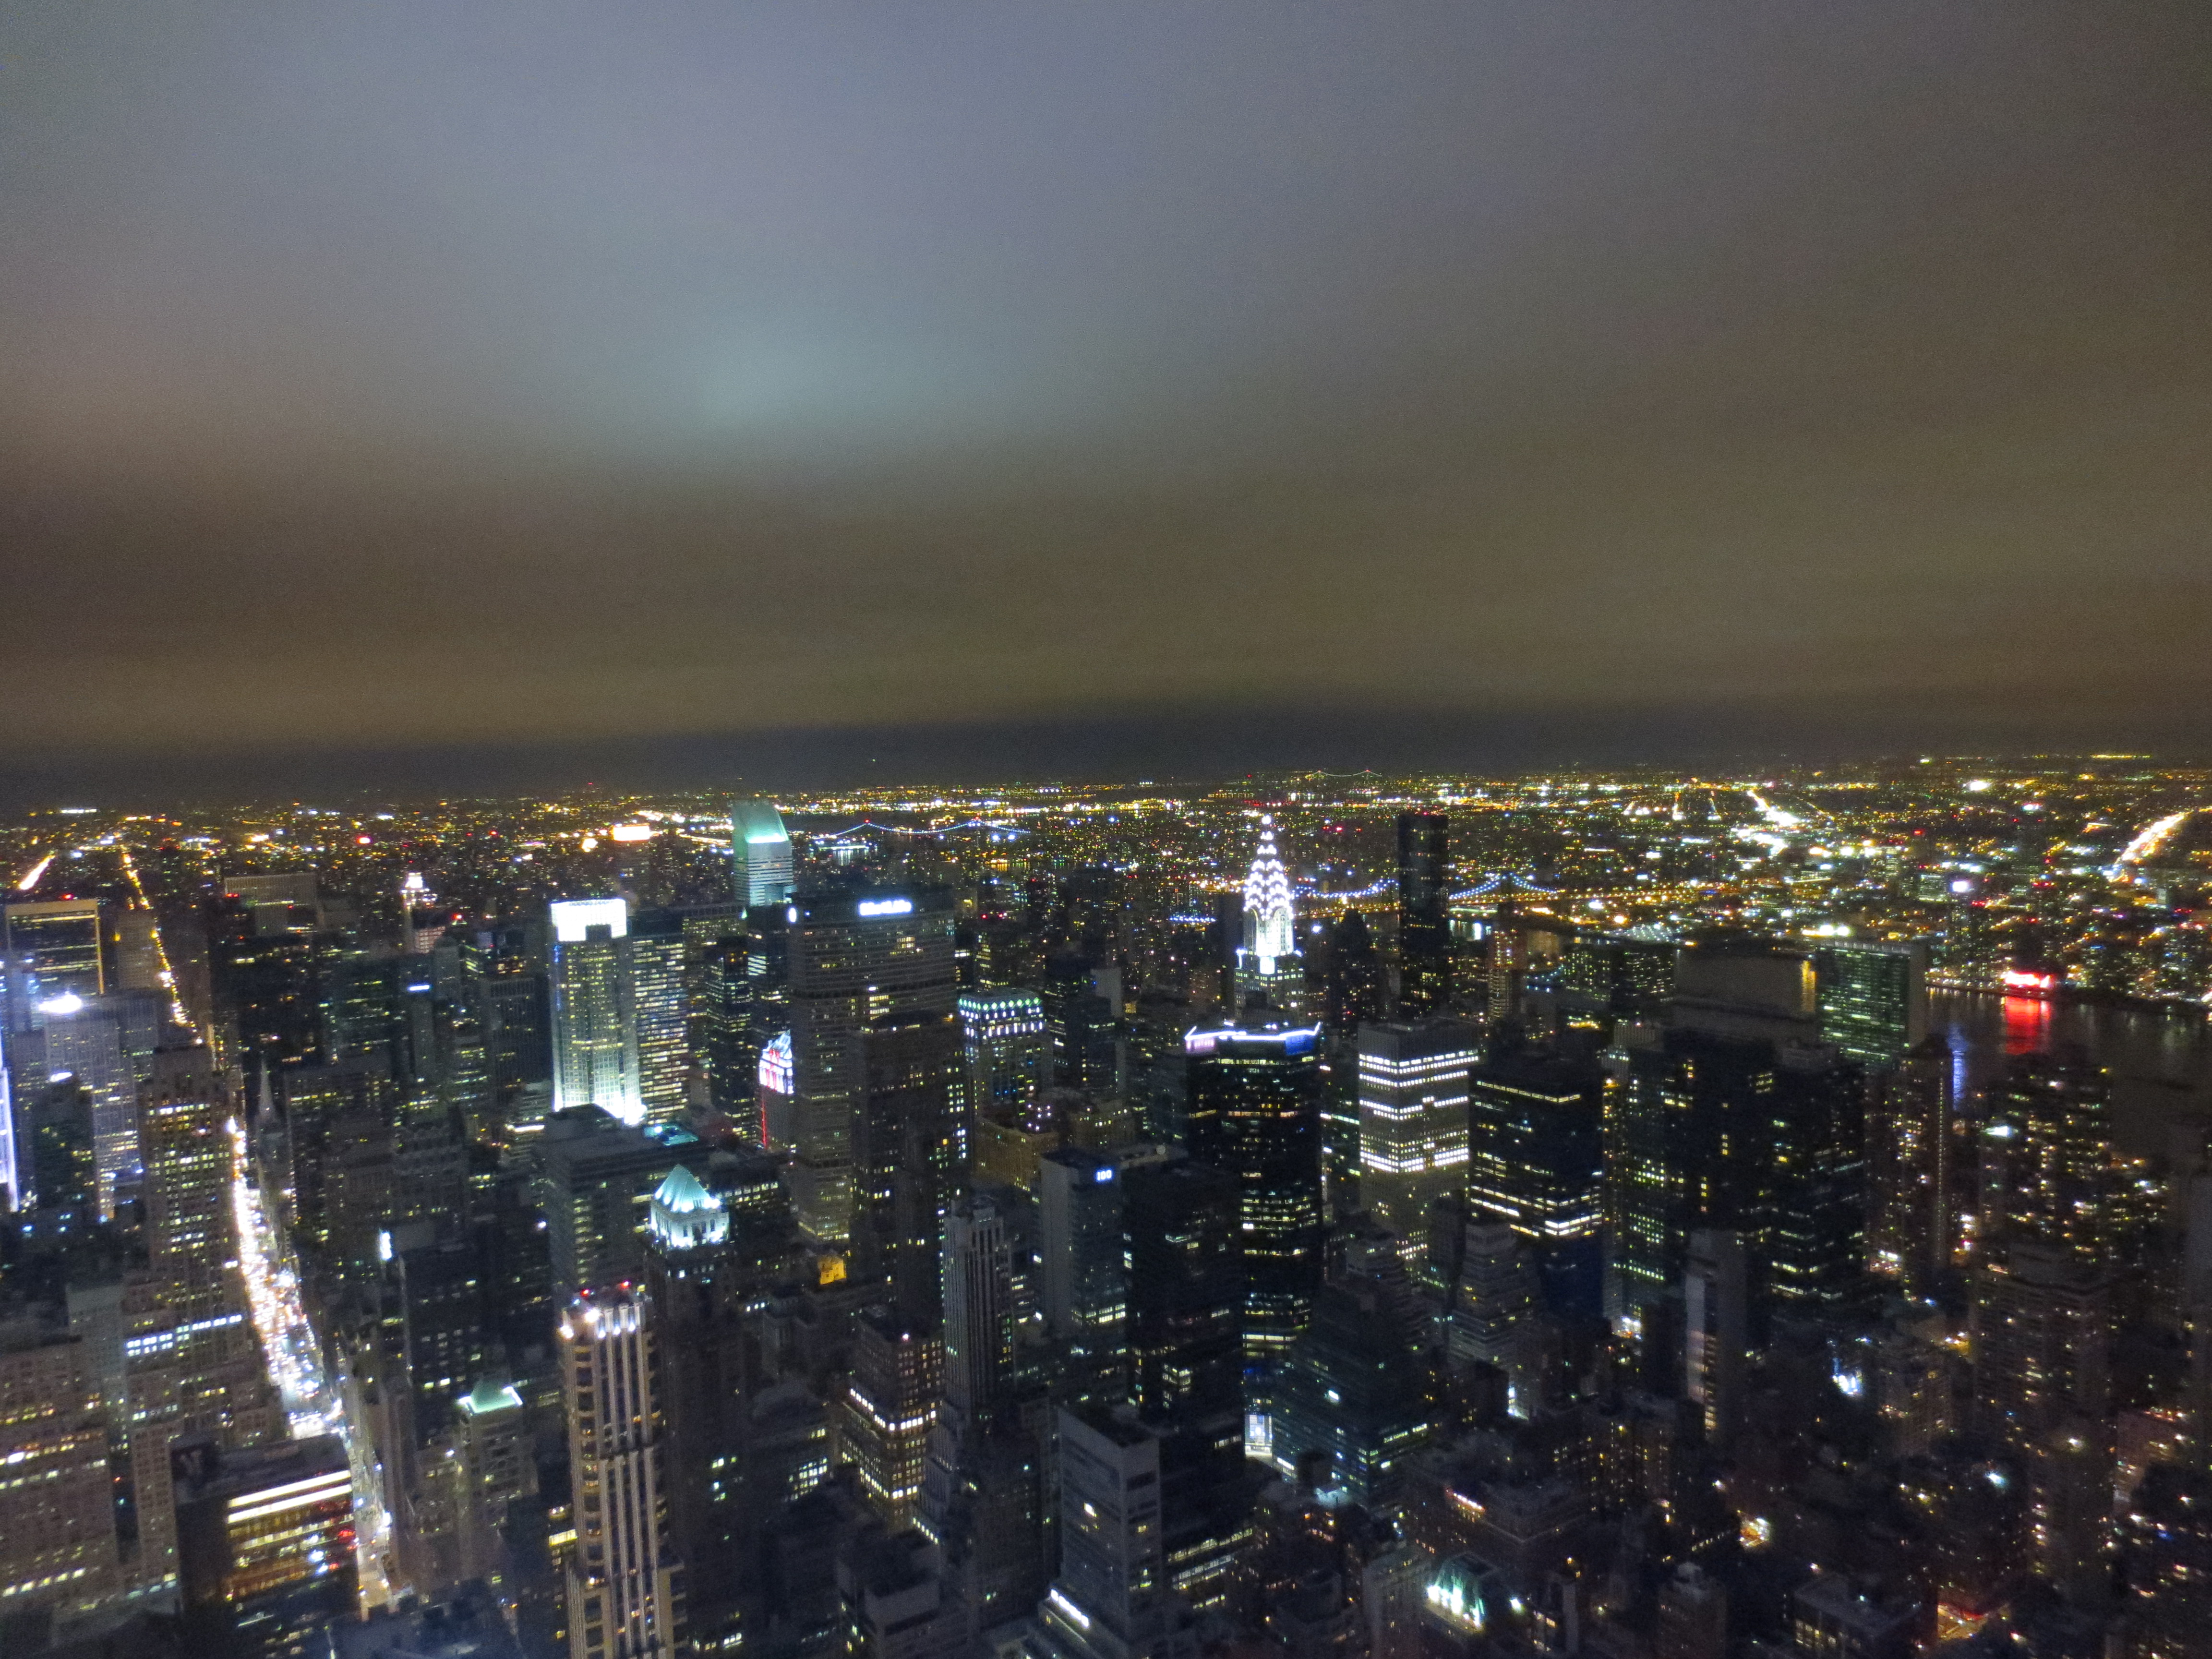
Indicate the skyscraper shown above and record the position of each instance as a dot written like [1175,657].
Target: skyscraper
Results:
[1085,1291]
[890,1405]
[1269,969]
[1424,976]
[1186,1291]
[596,1060]
[1873,997]
[1112,1598]
[1254,1112]
[52,953]
[761,866]
[595,1182]
[872,993]
[659,994]
[626,1587]
[58,1545]
[1536,1162]
[107,1043]
[265,1545]
[1008,1047]
[1413,1087]
[194,1363]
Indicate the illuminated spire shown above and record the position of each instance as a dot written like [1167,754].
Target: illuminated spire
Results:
[1269,923]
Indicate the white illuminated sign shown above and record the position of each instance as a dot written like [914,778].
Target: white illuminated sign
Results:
[896,907]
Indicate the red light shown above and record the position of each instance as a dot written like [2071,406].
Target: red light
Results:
[2026,979]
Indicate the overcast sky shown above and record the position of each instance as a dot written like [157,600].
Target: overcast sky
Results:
[422,373]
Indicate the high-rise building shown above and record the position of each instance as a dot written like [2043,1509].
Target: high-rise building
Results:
[625,1583]
[596,1060]
[1082,1006]
[1873,996]
[342,1124]
[53,954]
[979,1308]
[1413,1087]
[1084,1290]
[194,1363]
[1112,1598]
[1186,1291]
[107,1043]
[761,867]
[1355,982]
[1254,1112]
[2167,1562]
[659,978]
[1007,1047]
[1909,1168]
[266,1551]
[2043,1327]
[872,997]
[890,1404]
[1692,1616]
[493,1443]
[1715,1329]
[1348,1407]
[595,1181]
[711,1265]
[1535,1162]
[58,1545]
[1424,943]
[2047,1173]
[1269,969]
[1734,1115]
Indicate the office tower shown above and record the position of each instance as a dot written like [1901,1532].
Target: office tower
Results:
[516,1016]
[1424,943]
[1412,1090]
[1873,997]
[873,1050]
[1083,1293]
[1186,1291]
[1491,1303]
[659,994]
[890,1404]
[1692,1616]
[1627,975]
[492,1441]
[595,1182]
[1111,1599]
[905,1154]
[106,1042]
[265,1547]
[1355,982]
[265,946]
[2167,1563]
[1733,1114]
[53,954]
[1082,1006]
[713,1256]
[2047,1174]
[2043,1329]
[626,1586]
[191,1245]
[1909,1167]
[57,1547]
[1348,1407]
[722,1029]
[1269,970]
[1716,1330]
[1536,1162]
[137,951]
[59,1169]
[978,1298]
[1255,1112]
[1007,1046]
[1972,1505]
[761,866]
[342,1126]
[595,1025]
[17,1190]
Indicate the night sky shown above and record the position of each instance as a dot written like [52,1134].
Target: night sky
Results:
[1208,382]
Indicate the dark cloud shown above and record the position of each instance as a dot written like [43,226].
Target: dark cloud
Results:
[491,380]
